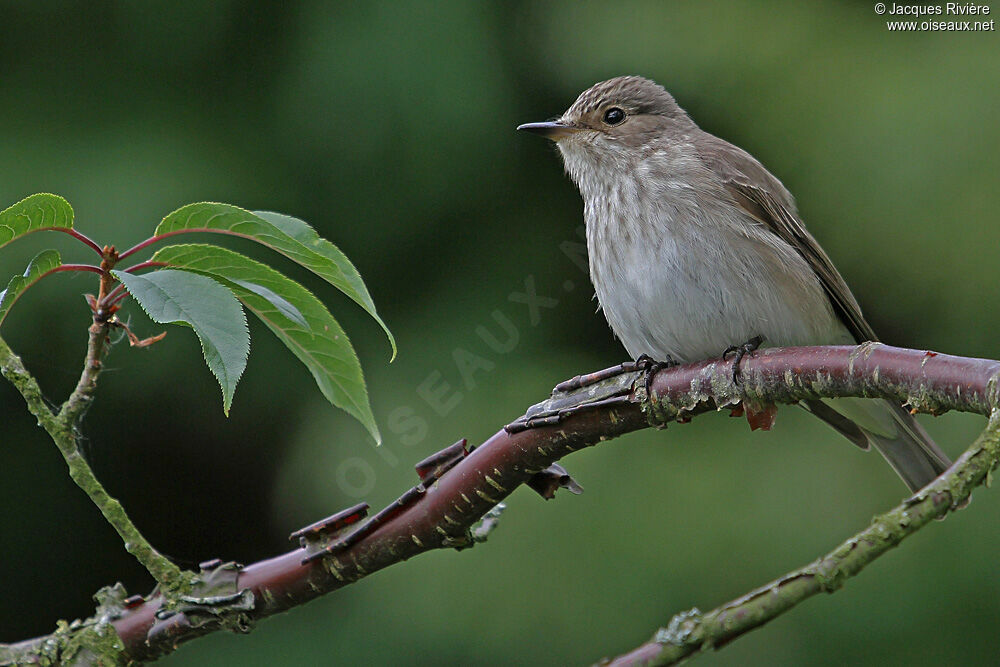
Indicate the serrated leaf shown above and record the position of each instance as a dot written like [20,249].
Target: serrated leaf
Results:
[290,236]
[40,264]
[33,213]
[211,309]
[296,317]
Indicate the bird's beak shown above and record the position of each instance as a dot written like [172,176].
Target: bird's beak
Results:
[554,130]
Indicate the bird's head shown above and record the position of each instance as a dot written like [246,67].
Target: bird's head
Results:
[612,124]
[626,109]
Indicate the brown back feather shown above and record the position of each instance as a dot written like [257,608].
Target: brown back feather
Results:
[765,199]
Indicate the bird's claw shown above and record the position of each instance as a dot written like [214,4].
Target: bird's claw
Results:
[741,351]
[650,367]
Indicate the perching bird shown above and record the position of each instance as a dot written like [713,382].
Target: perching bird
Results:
[695,247]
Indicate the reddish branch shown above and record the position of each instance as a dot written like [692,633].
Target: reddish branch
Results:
[79,236]
[440,512]
[190,230]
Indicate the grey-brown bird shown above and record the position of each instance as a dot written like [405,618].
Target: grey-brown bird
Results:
[695,247]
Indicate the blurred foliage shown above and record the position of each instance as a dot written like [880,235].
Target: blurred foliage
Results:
[398,118]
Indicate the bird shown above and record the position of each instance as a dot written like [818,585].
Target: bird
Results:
[694,248]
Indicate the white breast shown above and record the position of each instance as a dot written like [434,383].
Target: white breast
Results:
[682,272]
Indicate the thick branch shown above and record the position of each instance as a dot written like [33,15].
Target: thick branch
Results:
[441,513]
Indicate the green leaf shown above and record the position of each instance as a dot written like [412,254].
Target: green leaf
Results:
[290,236]
[33,213]
[41,264]
[296,317]
[179,297]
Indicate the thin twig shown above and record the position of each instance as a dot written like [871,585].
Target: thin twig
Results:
[144,265]
[72,267]
[62,428]
[192,230]
[79,236]
[692,631]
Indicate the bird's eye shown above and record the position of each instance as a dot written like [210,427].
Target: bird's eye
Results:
[614,116]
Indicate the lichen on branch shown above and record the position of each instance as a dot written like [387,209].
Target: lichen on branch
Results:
[62,427]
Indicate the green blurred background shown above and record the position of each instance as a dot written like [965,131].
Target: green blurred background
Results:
[390,127]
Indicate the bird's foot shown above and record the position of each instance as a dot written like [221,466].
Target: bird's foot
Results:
[741,351]
[651,366]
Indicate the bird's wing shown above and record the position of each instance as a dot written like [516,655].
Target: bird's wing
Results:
[765,199]
[891,428]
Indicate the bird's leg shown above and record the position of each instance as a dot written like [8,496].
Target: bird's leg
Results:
[740,352]
[643,363]
[651,367]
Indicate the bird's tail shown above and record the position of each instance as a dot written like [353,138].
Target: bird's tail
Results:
[891,429]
